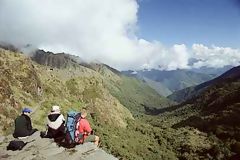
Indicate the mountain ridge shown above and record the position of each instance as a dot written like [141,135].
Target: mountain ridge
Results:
[167,82]
[102,92]
[188,93]
[156,128]
[218,108]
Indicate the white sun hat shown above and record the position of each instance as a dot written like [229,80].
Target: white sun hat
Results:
[55,109]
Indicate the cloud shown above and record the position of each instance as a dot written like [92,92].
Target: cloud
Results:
[94,30]
[216,57]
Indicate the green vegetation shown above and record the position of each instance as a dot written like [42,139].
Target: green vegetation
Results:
[135,94]
[219,107]
[118,104]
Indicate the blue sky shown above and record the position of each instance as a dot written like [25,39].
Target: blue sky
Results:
[190,21]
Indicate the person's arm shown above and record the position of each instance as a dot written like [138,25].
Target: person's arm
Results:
[63,119]
[87,128]
[29,123]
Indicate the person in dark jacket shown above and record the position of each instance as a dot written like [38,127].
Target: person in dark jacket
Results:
[55,124]
[23,124]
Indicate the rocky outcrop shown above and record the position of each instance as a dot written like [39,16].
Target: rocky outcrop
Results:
[59,60]
[43,149]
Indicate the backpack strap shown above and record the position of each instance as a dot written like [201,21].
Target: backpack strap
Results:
[78,135]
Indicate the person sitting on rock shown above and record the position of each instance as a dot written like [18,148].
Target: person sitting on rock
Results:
[84,129]
[23,124]
[55,124]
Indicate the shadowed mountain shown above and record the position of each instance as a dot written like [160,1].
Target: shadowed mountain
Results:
[59,60]
[190,92]
[167,82]
[214,110]
[218,106]
[63,60]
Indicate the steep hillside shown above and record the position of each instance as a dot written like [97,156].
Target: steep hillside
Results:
[24,83]
[170,81]
[117,106]
[213,114]
[132,93]
[19,85]
[136,96]
[60,60]
[159,87]
[103,92]
[219,109]
[190,92]
[30,84]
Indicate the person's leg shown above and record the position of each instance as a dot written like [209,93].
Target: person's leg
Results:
[49,133]
[14,135]
[92,138]
[96,140]
[59,135]
[43,134]
[33,131]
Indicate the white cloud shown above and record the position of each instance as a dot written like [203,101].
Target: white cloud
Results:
[215,56]
[95,30]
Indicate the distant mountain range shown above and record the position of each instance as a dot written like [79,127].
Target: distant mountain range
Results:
[212,71]
[167,82]
[117,103]
[190,92]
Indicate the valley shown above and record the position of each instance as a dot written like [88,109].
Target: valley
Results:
[132,119]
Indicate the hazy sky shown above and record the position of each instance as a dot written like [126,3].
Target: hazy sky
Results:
[128,34]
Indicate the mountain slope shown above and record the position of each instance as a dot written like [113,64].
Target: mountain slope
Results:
[132,93]
[117,104]
[170,81]
[215,112]
[219,109]
[136,96]
[60,60]
[159,87]
[190,92]
[26,83]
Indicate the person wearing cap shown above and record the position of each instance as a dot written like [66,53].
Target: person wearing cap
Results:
[55,124]
[23,124]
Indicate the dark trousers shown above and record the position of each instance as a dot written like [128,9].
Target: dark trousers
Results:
[57,134]
[27,133]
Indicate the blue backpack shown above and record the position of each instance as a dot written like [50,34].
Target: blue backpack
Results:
[72,136]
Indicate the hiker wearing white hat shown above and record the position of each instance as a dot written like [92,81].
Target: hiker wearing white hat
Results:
[55,124]
[55,110]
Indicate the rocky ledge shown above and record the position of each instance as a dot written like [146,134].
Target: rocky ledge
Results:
[43,149]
